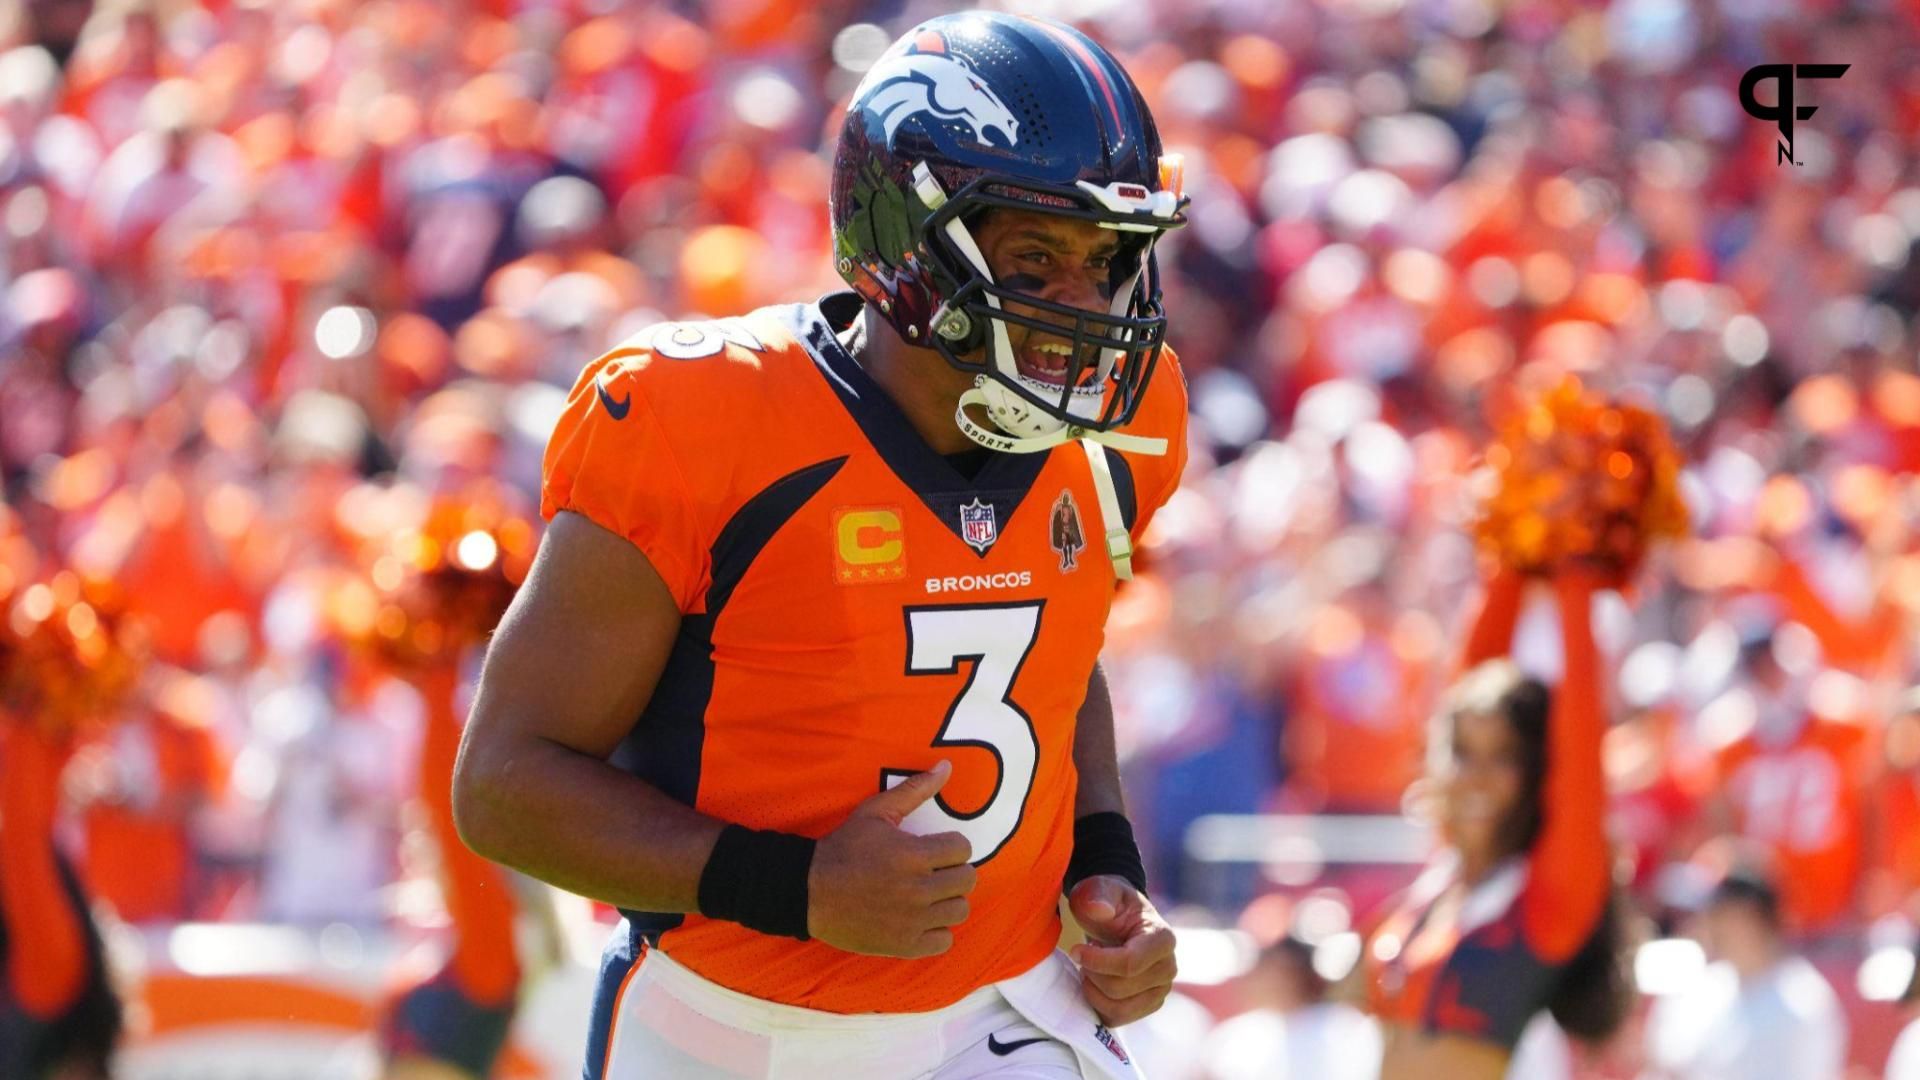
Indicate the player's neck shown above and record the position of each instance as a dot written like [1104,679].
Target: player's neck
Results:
[920,382]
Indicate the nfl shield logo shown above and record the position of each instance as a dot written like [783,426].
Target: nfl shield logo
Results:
[976,525]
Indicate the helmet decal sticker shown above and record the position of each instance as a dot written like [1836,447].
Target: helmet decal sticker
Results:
[914,84]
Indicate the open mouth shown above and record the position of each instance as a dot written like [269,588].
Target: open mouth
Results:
[1048,360]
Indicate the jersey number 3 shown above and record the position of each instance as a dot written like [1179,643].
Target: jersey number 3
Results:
[997,639]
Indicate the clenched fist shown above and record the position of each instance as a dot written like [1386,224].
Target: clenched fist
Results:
[1127,965]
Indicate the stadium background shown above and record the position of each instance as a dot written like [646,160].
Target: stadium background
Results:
[260,256]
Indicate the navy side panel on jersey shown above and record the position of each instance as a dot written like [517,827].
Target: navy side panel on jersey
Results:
[664,747]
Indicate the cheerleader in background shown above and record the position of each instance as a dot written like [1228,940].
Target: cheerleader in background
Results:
[59,1019]
[462,564]
[1515,915]
[456,1023]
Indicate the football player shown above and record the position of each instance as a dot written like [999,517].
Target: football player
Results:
[802,679]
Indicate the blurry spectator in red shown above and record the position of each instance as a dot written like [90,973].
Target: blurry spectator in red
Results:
[563,226]
[179,570]
[173,160]
[118,59]
[147,789]
[1817,560]
[1895,875]
[38,329]
[460,190]
[1360,696]
[1794,784]
[39,146]
[1656,777]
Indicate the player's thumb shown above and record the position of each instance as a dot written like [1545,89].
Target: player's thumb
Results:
[903,798]
[1098,902]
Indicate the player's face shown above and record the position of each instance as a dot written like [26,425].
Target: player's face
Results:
[1482,788]
[1059,259]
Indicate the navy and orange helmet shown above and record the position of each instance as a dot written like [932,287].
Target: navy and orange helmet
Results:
[984,110]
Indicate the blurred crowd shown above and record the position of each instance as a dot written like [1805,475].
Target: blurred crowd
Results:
[261,258]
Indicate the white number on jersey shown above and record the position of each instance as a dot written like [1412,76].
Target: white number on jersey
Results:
[997,638]
[699,340]
[1791,799]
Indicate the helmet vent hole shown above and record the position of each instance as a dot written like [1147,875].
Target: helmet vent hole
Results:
[1034,119]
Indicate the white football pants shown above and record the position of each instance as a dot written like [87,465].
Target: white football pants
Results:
[671,1024]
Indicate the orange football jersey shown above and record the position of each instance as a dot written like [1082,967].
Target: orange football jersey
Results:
[854,610]
[1802,801]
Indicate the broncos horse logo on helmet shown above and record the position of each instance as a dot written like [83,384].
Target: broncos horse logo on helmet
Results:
[986,110]
[914,83]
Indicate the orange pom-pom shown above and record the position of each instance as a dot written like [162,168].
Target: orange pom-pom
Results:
[1576,477]
[70,656]
[437,574]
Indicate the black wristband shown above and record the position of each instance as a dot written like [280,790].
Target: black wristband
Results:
[759,880]
[1103,844]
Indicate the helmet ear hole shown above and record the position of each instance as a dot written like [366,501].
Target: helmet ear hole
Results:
[961,331]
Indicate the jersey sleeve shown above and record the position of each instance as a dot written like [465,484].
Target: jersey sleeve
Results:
[1162,415]
[612,460]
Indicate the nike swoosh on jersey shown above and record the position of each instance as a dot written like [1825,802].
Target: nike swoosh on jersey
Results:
[615,409]
[1001,1049]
